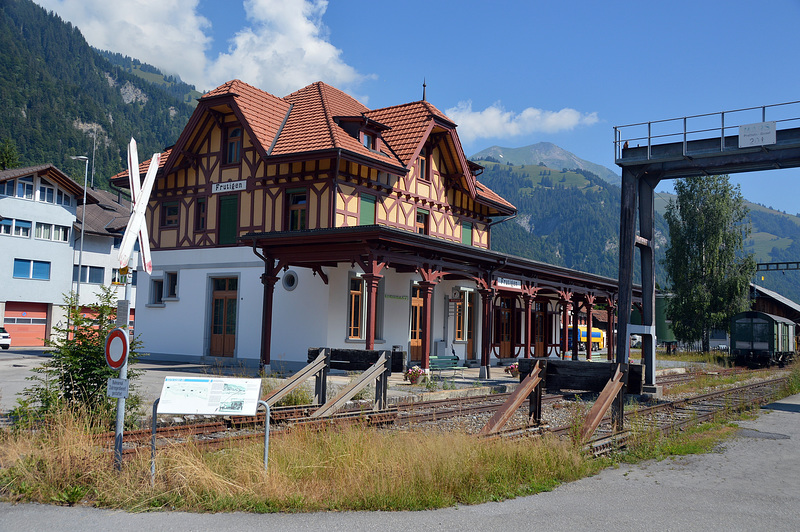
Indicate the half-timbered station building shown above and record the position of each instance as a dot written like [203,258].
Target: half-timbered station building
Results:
[279,224]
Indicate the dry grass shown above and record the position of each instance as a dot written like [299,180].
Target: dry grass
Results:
[354,468]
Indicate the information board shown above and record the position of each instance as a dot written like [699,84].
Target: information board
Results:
[209,396]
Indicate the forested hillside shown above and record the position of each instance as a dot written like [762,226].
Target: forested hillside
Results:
[569,218]
[57,92]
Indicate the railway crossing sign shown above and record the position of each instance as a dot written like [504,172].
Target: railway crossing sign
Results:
[117,348]
[140,195]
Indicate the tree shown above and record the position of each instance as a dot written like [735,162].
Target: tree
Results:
[705,264]
[9,157]
[77,372]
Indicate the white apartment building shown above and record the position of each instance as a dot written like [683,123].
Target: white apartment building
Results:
[40,235]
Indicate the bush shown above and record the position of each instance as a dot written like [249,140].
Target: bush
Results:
[77,373]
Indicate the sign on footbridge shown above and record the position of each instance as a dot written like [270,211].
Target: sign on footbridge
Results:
[742,140]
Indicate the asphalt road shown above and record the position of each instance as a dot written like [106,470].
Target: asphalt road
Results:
[751,482]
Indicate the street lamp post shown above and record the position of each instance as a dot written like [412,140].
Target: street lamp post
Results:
[83,228]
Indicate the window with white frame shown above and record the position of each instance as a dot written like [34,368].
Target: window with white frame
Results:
[7,188]
[47,192]
[6,226]
[25,187]
[22,228]
[62,198]
[44,231]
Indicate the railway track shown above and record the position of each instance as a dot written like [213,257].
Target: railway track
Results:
[224,431]
[675,415]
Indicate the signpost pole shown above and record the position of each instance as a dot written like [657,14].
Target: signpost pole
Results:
[123,374]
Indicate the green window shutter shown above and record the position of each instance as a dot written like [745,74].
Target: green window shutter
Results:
[367,210]
[466,233]
[228,215]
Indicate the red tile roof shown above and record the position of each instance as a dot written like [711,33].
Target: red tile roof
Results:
[305,121]
[143,166]
[263,113]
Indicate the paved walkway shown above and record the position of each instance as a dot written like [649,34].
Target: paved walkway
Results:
[751,483]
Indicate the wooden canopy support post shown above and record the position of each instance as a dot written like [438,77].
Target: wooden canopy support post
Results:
[564,302]
[610,305]
[589,301]
[372,277]
[426,288]
[430,278]
[269,278]
[576,308]
[528,300]
[487,297]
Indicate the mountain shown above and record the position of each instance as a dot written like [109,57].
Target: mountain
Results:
[545,154]
[171,84]
[58,93]
[565,217]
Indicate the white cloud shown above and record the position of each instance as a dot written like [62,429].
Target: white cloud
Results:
[169,34]
[496,122]
[281,47]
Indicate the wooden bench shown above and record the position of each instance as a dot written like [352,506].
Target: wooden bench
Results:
[446,363]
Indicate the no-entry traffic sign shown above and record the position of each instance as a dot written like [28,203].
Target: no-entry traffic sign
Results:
[117,348]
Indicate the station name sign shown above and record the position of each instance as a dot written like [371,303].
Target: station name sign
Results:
[502,282]
[230,186]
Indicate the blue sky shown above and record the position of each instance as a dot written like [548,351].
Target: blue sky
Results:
[509,73]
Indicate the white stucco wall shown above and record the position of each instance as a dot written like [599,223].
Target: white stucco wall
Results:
[58,254]
[314,314]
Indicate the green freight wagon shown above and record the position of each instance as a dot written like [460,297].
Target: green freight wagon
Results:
[761,339]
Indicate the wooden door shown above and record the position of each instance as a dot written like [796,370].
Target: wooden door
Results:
[505,335]
[415,344]
[223,317]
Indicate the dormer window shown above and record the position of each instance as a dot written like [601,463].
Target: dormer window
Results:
[368,139]
[234,146]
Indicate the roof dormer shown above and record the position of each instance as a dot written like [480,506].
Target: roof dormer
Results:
[368,133]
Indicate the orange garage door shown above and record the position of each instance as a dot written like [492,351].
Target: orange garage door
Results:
[27,323]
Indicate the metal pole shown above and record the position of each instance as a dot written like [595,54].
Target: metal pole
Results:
[123,374]
[83,228]
[266,436]
[153,445]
